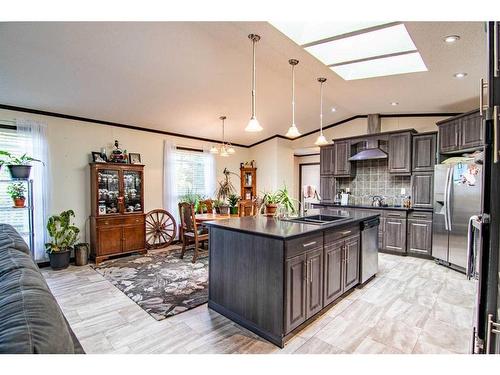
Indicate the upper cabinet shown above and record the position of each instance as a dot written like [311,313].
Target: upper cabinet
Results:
[424,152]
[342,166]
[400,153]
[461,133]
[327,160]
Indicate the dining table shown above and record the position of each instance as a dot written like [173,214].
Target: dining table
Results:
[200,218]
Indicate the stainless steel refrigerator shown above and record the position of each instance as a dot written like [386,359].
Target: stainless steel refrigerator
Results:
[457,197]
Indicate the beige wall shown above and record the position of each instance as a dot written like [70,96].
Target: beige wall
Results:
[71,142]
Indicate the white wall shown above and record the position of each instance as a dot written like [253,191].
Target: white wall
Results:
[72,141]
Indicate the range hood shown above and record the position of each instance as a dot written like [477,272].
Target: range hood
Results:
[371,151]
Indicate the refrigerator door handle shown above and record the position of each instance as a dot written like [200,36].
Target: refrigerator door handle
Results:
[448,194]
[446,199]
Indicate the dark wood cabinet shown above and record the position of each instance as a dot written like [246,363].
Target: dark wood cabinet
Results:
[351,262]
[461,133]
[471,131]
[314,282]
[296,274]
[333,285]
[422,189]
[420,233]
[342,165]
[248,183]
[400,153]
[327,189]
[117,222]
[424,152]
[395,231]
[327,160]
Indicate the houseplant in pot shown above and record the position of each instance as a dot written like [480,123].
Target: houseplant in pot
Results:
[286,201]
[217,203]
[64,235]
[19,166]
[270,201]
[233,204]
[225,189]
[16,190]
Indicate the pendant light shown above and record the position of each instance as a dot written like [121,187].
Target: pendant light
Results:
[253,125]
[321,140]
[293,132]
[225,149]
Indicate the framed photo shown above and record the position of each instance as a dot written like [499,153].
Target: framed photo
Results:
[97,157]
[134,158]
[102,210]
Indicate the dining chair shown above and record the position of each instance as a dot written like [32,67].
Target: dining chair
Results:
[191,233]
[247,208]
[205,206]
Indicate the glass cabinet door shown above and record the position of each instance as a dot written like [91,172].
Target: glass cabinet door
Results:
[132,191]
[108,192]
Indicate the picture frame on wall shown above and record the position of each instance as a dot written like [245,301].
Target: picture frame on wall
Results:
[134,158]
[98,157]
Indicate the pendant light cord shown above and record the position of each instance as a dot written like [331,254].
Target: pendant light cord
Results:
[253,77]
[321,107]
[293,95]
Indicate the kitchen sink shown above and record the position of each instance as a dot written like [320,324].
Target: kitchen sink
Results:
[318,219]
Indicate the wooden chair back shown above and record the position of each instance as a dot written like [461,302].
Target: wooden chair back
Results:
[205,206]
[187,217]
[247,208]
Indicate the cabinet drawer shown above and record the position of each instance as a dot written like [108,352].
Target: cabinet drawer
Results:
[302,244]
[110,221]
[340,233]
[420,215]
[133,220]
[394,214]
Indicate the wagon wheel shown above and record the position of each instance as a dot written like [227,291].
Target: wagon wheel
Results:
[161,229]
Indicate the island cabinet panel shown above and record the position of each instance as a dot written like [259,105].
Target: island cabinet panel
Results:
[351,262]
[247,280]
[333,271]
[424,153]
[400,153]
[296,274]
[314,281]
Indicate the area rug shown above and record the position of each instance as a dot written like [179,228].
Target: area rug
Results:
[161,283]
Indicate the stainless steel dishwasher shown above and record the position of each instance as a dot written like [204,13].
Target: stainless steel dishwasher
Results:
[369,249]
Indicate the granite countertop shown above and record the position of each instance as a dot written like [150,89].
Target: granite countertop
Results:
[285,229]
[395,208]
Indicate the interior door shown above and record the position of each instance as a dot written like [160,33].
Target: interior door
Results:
[465,201]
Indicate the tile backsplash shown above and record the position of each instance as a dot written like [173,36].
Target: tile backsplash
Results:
[372,178]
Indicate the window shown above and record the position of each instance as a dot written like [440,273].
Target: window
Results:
[193,173]
[15,143]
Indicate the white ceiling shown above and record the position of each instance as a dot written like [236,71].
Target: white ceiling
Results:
[181,76]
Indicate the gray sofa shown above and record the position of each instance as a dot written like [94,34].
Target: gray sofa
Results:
[30,318]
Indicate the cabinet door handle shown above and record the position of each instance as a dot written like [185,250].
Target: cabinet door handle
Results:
[309,244]
[482,85]
[495,134]
[393,215]
[495,49]
[421,216]
[346,232]
[310,271]
[304,270]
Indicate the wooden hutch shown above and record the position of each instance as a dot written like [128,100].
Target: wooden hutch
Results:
[117,220]
[248,183]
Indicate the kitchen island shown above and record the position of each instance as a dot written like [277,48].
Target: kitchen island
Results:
[274,276]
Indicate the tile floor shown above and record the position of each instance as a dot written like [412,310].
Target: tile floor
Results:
[412,306]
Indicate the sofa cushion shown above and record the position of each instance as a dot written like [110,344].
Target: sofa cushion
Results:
[9,238]
[30,318]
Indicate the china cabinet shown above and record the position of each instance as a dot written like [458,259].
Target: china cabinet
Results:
[117,222]
[248,183]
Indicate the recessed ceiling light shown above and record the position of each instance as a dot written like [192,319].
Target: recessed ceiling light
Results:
[394,103]
[451,38]
[409,63]
[460,75]
[333,109]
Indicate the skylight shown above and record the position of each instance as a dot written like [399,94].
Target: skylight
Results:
[385,41]
[408,63]
[307,32]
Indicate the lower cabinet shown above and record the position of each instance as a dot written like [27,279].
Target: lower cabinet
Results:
[314,282]
[420,233]
[351,262]
[394,232]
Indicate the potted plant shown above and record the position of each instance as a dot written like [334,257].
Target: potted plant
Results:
[19,166]
[225,189]
[192,198]
[217,203]
[64,235]
[286,200]
[16,191]
[270,202]
[233,204]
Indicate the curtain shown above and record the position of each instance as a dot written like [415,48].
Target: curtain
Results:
[170,201]
[210,174]
[36,145]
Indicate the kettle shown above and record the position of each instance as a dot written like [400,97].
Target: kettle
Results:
[377,201]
